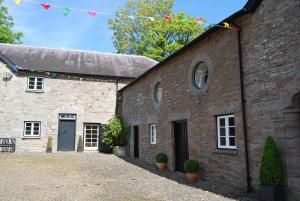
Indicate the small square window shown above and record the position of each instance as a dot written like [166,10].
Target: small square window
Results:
[226,132]
[152,133]
[32,129]
[35,83]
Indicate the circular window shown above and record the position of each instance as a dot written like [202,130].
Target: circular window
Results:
[158,92]
[200,75]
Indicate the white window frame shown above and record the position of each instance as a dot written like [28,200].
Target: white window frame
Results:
[227,144]
[65,116]
[35,83]
[31,135]
[84,142]
[152,133]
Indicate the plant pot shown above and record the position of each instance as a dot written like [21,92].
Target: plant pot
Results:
[49,150]
[270,193]
[119,151]
[161,166]
[192,177]
[80,149]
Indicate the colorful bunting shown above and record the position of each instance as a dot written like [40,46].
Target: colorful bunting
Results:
[226,25]
[92,13]
[45,6]
[18,2]
[66,11]
[167,17]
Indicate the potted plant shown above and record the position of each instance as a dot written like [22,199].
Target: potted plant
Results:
[271,173]
[80,145]
[49,145]
[161,161]
[191,168]
[114,135]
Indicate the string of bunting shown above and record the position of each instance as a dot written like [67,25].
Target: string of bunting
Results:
[66,12]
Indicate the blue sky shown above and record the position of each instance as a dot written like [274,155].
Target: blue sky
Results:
[49,28]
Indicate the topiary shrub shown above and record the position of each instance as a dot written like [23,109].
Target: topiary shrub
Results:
[114,132]
[191,166]
[49,142]
[161,158]
[271,168]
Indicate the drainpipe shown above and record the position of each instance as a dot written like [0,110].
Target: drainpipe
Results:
[243,100]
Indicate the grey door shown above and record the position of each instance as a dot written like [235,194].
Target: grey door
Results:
[66,135]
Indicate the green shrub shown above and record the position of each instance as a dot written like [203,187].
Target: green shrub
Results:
[271,169]
[80,143]
[191,166]
[114,132]
[49,142]
[161,158]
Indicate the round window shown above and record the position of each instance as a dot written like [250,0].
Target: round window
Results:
[201,75]
[158,92]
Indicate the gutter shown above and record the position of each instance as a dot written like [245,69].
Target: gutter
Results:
[243,103]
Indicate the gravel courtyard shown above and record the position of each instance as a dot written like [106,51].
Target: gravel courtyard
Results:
[88,176]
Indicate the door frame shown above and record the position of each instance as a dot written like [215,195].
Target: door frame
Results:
[173,140]
[98,135]
[134,142]
[75,121]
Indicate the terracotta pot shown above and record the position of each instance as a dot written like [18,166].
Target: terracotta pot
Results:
[192,177]
[161,166]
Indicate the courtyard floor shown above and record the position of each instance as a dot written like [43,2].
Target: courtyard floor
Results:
[94,176]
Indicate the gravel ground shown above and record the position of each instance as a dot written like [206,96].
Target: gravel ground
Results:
[95,176]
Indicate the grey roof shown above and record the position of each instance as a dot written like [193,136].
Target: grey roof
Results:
[76,61]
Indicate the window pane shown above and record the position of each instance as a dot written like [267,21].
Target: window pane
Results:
[201,75]
[231,131]
[222,131]
[222,121]
[40,79]
[87,144]
[88,136]
[39,87]
[232,141]
[222,141]
[231,121]
[158,93]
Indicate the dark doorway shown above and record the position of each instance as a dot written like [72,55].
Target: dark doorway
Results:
[66,135]
[180,144]
[136,141]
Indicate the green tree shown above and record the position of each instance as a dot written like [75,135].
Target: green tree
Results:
[271,168]
[7,35]
[114,132]
[141,28]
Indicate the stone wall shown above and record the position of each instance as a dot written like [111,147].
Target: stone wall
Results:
[92,102]
[270,46]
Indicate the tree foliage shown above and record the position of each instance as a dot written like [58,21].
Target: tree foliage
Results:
[114,132]
[7,35]
[135,32]
[271,168]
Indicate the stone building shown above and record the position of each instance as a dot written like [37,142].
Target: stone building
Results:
[218,98]
[60,93]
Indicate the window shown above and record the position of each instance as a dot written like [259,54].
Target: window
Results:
[226,132]
[35,83]
[91,136]
[67,116]
[200,75]
[32,129]
[158,92]
[152,134]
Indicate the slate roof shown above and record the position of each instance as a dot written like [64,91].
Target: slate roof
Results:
[76,61]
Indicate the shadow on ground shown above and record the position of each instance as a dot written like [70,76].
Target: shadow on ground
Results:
[203,183]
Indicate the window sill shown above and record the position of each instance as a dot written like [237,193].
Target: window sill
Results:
[34,91]
[25,138]
[226,151]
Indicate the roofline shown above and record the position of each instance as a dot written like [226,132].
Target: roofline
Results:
[249,7]
[78,50]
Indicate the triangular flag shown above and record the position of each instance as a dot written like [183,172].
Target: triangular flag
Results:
[81,79]
[18,2]
[226,25]
[92,13]
[151,19]
[167,17]
[200,20]
[47,73]
[66,11]
[46,6]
